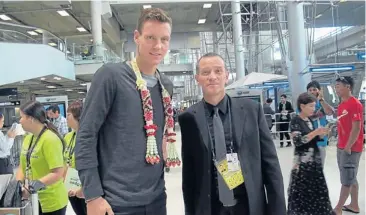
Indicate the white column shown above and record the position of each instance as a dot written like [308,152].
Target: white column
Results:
[297,49]
[96,21]
[238,39]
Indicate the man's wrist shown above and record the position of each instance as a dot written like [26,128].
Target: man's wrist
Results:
[92,199]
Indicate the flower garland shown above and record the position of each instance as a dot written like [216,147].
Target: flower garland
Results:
[152,154]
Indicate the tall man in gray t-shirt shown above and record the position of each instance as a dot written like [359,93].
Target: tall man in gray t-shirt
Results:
[119,142]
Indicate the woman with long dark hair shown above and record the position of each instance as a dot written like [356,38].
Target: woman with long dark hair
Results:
[76,195]
[308,191]
[41,161]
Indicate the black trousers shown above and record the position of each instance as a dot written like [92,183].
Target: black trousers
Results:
[78,205]
[157,207]
[5,166]
[241,208]
[61,211]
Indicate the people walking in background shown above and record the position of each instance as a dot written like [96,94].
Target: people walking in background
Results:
[76,196]
[41,162]
[322,109]
[218,130]
[350,144]
[308,191]
[57,119]
[6,142]
[285,108]
[268,111]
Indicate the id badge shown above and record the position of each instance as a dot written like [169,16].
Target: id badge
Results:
[27,177]
[231,173]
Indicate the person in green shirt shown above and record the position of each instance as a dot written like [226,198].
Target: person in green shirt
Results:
[76,196]
[41,160]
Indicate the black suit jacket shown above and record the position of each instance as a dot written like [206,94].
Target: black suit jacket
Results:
[288,107]
[256,152]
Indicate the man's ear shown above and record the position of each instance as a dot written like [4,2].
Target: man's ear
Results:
[136,36]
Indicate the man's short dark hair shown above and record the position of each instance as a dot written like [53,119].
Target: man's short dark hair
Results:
[284,96]
[210,54]
[347,80]
[314,84]
[269,100]
[53,108]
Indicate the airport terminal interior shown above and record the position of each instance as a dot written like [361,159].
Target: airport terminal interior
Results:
[50,50]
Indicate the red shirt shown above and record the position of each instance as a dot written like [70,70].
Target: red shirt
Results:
[352,108]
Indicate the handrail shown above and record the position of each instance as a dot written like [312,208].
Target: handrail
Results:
[31,27]
[29,37]
[334,32]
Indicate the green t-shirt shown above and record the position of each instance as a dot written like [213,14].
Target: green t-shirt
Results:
[70,139]
[47,155]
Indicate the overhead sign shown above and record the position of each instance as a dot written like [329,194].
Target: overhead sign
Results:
[332,68]
[10,103]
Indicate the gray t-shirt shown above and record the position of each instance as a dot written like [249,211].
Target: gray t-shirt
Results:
[111,141]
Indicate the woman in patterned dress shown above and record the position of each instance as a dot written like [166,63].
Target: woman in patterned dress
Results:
[308,191]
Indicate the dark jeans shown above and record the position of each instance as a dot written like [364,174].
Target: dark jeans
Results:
[5,166]
[61,211]
[78,205]
[157,207]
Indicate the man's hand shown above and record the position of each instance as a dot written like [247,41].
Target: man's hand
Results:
[11,133]
[320,95]
[99,206]
[71,193]
[79,193]
[348,150]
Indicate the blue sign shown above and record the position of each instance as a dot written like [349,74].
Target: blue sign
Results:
[361,56]
[332,68]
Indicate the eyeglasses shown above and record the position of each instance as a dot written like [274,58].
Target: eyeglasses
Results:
[343,80]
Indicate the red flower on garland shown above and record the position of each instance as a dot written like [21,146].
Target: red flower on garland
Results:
[144,94]
[169,110]
[148,115]
[171,122]
[166,100]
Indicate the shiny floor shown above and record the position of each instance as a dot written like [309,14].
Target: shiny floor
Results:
[173,180]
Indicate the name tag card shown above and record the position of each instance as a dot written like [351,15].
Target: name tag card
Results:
[230,170]
[72,180]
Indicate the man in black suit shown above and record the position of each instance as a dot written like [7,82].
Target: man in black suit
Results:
[244,134]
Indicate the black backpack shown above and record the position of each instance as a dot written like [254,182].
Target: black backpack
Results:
[12,197]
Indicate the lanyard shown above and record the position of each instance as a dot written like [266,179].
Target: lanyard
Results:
[32,146]
[70,149]
[230,130]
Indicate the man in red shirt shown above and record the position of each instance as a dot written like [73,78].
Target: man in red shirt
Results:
[350,143]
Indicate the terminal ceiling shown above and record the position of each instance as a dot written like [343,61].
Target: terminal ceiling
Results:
[43,14]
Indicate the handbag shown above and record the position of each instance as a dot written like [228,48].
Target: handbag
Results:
[12,197]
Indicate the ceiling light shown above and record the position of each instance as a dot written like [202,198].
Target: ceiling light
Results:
[39,31]
[33,33]
[201,21]
[4,17]
[51,87]
[68,90]
[319,15]
[57,78]
[81,92]
[147,6]
[83,84]
[207,5]
[52,44]
[43,79]
[63,13]
[81,29]
[342,0]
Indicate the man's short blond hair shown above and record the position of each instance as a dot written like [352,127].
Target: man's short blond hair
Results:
[155,14]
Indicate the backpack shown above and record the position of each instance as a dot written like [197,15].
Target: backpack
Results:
[12,197]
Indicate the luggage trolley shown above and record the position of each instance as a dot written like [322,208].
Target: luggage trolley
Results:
[29,206]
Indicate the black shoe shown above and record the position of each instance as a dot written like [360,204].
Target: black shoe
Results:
[288,145]
[281,146]
[167,169]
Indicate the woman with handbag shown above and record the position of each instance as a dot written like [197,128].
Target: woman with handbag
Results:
[308,191]
[76,196]
[41,161]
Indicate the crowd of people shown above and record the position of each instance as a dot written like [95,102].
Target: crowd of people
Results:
[123,136]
